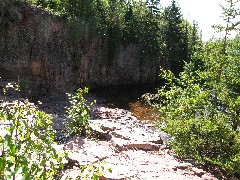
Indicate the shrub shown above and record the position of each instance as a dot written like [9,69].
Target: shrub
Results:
[200,109]
[94,171]
[26,141]
[78,113]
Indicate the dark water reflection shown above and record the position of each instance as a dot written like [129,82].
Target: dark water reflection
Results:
[128,97]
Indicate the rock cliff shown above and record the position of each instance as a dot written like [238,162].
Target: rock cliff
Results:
[37,45]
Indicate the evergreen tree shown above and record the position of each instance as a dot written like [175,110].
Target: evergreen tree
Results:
[129,13]
[201,107]
[174,38]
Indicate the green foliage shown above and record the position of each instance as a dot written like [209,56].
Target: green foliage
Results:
[180,38]
[161,34]
[200,109]
[78,113]
[26,141]
[202,118]
[94,171]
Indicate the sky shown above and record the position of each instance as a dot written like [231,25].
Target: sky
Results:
[205,12]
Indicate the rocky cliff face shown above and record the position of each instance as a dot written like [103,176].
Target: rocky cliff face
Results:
[36,44]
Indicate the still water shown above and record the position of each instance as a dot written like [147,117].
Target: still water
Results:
[128,97]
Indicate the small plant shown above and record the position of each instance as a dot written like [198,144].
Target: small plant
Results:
[26,140]
[94,172]
[78,113]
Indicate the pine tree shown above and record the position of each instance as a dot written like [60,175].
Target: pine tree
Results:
[201,107]
[174,37]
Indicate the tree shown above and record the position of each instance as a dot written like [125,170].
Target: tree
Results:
[129,13]
[200,109]
[174,38]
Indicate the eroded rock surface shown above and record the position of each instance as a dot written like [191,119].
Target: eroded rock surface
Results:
[45,50]
[132,149]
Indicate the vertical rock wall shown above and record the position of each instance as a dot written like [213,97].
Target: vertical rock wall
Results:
[36,45]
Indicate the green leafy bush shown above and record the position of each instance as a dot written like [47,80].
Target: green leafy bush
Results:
[78,113]
[200,109]
[26,140]
[201,120]
[94,171]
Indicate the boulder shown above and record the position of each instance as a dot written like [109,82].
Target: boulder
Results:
[85,151]
[128,135]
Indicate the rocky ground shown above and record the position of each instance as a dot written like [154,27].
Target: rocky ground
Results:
[133,149]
